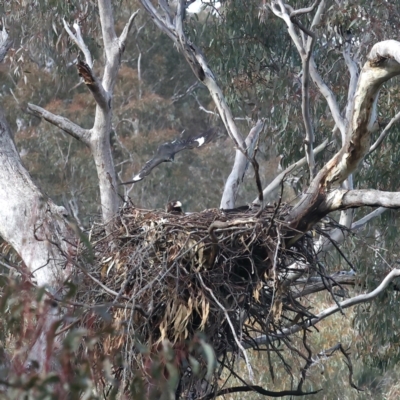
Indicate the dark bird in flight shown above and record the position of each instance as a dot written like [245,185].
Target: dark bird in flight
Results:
[174,207]
[166,152]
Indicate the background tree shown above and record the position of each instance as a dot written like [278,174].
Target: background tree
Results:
[266,74]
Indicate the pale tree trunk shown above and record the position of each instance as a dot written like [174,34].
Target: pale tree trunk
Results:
[239,168]
[35,227]
[98,138]
[37,230]
[29,220]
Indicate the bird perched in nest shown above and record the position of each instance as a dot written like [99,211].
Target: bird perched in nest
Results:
[166,152]
[174,207]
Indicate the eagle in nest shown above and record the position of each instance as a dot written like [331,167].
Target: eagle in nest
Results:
[166,152]
[174,207]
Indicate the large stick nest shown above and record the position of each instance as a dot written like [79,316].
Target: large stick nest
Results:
[216,272]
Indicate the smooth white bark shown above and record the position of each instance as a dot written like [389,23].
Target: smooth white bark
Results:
[36,228]
[239,169]
[342,199]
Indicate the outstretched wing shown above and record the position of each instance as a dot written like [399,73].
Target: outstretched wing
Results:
[199,140]
[167,151]
[148,167]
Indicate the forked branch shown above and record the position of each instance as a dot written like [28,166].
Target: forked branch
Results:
[286,13]
[173,27]
[94,85]
[78,40]
[383,64]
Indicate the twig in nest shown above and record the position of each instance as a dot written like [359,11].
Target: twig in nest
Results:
[249,369]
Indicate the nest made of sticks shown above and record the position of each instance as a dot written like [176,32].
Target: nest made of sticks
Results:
[217,272]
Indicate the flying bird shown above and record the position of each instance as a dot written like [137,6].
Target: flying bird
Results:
[174,207]
[166,152]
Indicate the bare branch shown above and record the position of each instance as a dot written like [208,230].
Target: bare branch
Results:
[165,24]
[271,189]
[364,220]
[190,89]
[384,133]
[362,298]
[78,40]
[101,97]
[354,74]
[339,235]
[124,34]
[114,47]
[63,123]
[240,167]
[317,79]
[346,217]
[199,65]
[85,68]
[329,96]
[167,10]
[219,100]
[381,66]
[179,20]
[281,12]
[302,11]
[309,69]
[256,389]
[342,199]
[305,103]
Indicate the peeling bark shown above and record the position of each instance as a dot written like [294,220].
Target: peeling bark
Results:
[382,65]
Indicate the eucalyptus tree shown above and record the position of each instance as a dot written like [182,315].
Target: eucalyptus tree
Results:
[278,61]
[39,230]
